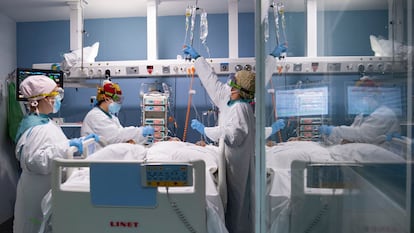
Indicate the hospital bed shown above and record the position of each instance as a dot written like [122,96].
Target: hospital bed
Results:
[313,188]
[109,196]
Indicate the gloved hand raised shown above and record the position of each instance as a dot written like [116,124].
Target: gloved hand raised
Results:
[188,50]
[78,143]
[279,50]
[147,131]
[195,124]
[326,129]
[278,125]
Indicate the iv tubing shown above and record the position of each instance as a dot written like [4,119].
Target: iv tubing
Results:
[279,134]
[187,116]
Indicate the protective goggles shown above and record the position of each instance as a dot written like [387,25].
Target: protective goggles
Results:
[232,83]
[115,97]
[59,92]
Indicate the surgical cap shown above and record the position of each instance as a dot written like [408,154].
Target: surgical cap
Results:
[37,86]
[246,80]
[109,89]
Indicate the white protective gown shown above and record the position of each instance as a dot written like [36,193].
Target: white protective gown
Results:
[108,127]
[369,129]
[237,125]
[35,150]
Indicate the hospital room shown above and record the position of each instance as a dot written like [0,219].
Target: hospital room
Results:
[206,116]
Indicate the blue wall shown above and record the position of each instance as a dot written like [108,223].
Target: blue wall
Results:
[126,39]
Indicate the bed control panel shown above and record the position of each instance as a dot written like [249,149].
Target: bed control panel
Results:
[166,174]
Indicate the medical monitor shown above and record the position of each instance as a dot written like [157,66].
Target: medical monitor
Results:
[309,101]
[358,99]
[23,73]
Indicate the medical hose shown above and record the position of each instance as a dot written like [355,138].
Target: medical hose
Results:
[187,116]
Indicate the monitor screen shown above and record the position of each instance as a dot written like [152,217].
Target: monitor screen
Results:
[302,102]
[22,73]
[358,99]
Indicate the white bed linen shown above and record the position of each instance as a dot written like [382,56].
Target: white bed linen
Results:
[161,151]
[278,163]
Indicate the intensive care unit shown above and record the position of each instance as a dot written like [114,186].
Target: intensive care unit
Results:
[332,106]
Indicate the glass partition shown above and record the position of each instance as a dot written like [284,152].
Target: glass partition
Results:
[342,159]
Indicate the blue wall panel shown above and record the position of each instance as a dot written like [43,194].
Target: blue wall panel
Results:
[119,39]
[41,42]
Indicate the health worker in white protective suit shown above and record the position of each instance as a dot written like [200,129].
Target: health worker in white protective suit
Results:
[39,140]
[382,121]
[103,121]
[237,124]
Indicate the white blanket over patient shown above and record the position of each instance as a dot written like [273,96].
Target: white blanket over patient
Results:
[280,157]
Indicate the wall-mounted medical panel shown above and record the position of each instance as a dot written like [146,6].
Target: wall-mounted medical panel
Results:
[222,66]
[323,65]
[144,68]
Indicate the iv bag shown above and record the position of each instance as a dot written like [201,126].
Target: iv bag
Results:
[203,27]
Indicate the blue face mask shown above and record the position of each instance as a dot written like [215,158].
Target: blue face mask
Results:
[114,107]
[57,104]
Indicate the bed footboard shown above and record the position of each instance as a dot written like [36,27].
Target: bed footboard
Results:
[340,197]
[176,209]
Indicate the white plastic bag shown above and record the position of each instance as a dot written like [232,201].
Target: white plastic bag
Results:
[384,48]
[89,55]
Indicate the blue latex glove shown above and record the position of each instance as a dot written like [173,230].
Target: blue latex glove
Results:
[78,143]
[147,131]
[278,125]
[195,124]
[188,50]
[279,50]
[92,135]
[326,129]
[389,136]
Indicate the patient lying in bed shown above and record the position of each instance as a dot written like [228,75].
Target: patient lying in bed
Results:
[279,158]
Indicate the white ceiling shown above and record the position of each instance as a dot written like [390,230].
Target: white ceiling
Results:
[47,10]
